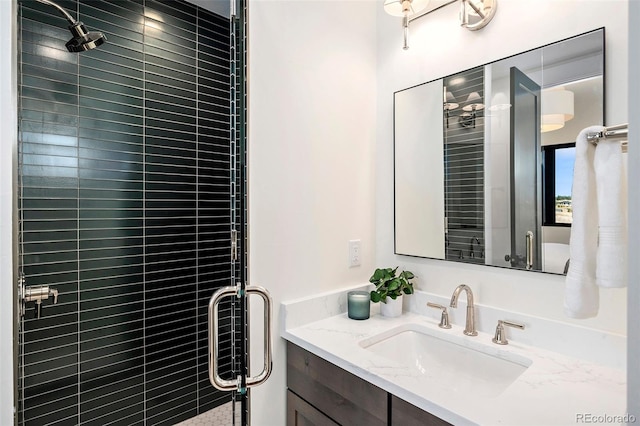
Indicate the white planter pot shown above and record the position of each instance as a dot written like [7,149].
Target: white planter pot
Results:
[393,308]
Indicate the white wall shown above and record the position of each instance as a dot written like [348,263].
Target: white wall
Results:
[8,110]
[312,89]
[419,218]
[439,46]
[633,368]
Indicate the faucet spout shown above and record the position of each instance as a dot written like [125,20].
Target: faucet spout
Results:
[473,240]
[470,324]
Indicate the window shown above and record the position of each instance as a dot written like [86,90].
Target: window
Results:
[557,168]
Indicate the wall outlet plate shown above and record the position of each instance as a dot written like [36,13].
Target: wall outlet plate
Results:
[355,253]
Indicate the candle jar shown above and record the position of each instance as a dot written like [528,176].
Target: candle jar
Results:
[358,303]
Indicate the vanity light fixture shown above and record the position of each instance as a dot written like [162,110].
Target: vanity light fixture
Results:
[476,14]
[556,108]
[449,104]
[405,9]
[473,104]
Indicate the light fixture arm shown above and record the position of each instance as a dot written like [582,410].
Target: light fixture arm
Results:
[405,30]
[429,11]
[474,14]
[64,12]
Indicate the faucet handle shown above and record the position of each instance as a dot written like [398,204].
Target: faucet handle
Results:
[53,292]
[444,318]
[500,337]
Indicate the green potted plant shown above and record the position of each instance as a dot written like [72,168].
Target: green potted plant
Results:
[390,288]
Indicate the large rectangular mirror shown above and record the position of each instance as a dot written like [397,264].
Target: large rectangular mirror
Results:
[483,159]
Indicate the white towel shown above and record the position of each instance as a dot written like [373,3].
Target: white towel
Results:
[611,181]
[581,299]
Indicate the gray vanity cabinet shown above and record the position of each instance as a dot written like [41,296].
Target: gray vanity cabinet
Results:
[322,394]
[341,396]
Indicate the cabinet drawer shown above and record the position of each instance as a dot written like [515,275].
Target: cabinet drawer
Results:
[301,413]
[345,398]
[405,414]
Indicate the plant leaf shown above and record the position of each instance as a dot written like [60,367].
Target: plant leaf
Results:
[375,297]
[407,274]
[394,284]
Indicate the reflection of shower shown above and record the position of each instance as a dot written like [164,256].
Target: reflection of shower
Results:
[82,40]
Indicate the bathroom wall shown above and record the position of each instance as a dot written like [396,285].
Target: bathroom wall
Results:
[633,368]
[312,91]
[8,138]
[464,172]
[294,241]
[518,25]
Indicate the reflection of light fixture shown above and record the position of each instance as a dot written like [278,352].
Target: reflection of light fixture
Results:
[557,108]
[476,14]
[449,103]
[473,104]
[499,102]
[405,9]
[467,119]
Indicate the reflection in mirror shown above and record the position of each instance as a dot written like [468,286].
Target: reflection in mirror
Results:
[483,158]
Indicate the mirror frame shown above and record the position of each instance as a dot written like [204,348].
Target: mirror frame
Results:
[541,179]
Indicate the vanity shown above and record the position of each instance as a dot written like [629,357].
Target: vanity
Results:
[319,392]
[407,370]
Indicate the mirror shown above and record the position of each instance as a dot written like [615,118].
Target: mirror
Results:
[483,158]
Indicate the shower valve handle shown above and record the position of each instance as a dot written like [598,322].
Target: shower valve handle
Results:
[38,294]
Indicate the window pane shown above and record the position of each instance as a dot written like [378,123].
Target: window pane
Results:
[565,157]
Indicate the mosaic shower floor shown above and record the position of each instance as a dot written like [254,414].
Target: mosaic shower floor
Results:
[219,416]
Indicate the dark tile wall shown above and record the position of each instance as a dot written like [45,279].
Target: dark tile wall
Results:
[464,170]
[125,160]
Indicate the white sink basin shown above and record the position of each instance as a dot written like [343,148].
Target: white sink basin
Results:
[461,364]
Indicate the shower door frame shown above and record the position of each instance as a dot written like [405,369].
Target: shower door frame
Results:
[239,182]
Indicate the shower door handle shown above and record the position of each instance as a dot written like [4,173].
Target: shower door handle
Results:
[268,364]
[214,341]
[529,247]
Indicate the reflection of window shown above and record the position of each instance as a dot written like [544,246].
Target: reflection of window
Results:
[557,179]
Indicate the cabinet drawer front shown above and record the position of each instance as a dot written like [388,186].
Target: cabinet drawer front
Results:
[301,413]
[405,414]
[345,398]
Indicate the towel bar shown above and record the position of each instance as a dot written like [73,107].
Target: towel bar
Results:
[620,131]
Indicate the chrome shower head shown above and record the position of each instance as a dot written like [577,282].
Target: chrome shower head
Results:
[82,40]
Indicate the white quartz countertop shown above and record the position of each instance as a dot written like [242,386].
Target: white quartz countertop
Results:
[554,390]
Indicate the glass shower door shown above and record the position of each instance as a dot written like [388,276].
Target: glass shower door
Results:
[525,179]
[132,179]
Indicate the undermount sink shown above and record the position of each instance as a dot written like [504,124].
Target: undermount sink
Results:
[459,363]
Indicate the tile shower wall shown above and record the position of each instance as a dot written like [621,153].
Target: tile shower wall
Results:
[464,170]
[126,210]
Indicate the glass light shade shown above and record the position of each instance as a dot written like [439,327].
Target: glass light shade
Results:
[551,122]
[402,7]
[499,102]
[474,102]
[449,101]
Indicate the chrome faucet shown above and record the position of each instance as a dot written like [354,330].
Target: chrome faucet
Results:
[470,325]
[472,253]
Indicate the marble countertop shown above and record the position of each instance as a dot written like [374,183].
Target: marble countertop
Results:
[554,390]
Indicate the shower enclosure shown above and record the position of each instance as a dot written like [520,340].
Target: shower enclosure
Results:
[131,190]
